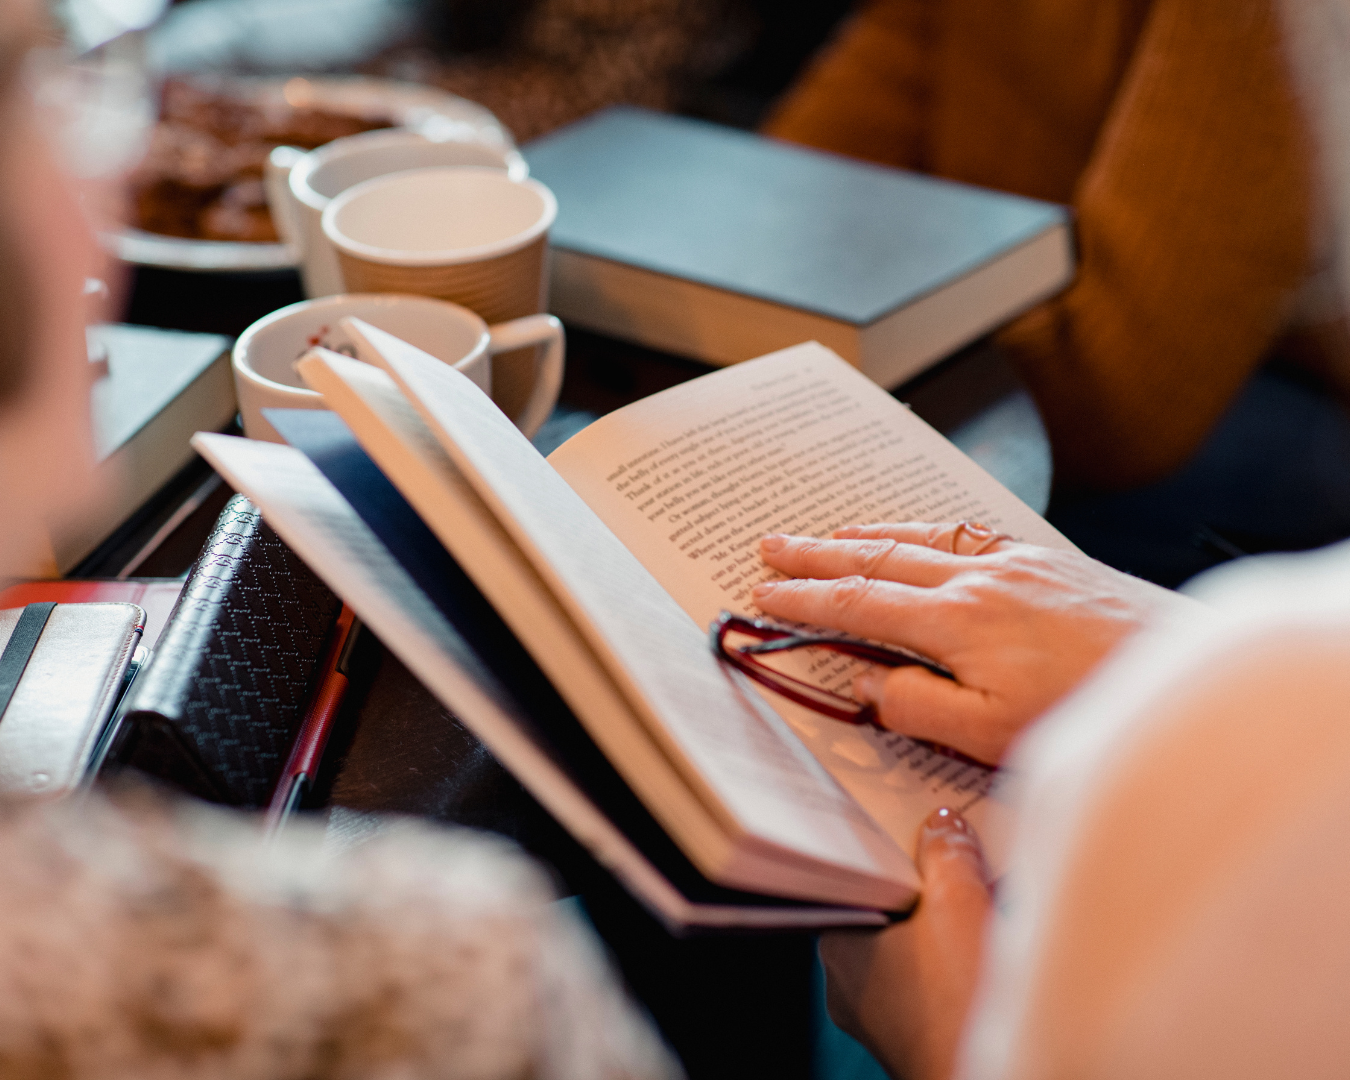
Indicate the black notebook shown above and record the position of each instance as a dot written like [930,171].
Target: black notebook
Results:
[218,708]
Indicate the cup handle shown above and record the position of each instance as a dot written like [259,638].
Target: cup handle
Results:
[548,367]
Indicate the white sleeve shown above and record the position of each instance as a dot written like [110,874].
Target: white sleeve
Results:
[1175,903]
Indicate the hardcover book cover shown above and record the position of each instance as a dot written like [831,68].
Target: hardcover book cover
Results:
[812,245]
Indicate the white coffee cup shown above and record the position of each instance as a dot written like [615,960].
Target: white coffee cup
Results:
[300,186]
[468,235]
[265,354]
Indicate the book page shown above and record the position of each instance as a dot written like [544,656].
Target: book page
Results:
[749,770]
[798,441]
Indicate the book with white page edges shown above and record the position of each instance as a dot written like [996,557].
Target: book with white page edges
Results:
[722,245]
[604,565]
[160,387]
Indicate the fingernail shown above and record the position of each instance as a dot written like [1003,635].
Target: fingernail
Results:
[773,542]
[870,685]
[764,588]
[848,532]
[946,835]
[945,820]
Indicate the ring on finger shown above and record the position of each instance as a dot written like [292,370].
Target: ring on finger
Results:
[983,537]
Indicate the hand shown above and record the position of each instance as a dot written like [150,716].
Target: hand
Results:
[1018,625]
[904,992]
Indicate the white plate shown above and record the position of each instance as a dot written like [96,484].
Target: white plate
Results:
[407,104]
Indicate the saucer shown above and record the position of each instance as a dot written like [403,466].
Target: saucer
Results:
[409,105]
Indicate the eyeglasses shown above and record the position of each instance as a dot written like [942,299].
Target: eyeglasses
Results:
[771,640]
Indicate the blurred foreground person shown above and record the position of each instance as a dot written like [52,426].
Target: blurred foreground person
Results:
[1174,902]
[146,939]
[1195,361]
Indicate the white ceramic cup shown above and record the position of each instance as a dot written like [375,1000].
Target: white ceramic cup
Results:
[468,235]
[265,354]
[300,186]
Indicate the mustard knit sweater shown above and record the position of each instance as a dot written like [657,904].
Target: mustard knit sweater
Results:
[1169,125]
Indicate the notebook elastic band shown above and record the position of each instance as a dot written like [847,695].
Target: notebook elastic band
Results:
[20,648]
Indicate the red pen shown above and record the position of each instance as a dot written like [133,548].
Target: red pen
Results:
[323,709]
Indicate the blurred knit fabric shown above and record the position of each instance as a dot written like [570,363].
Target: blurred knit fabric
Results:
[149,939]
[1173,128]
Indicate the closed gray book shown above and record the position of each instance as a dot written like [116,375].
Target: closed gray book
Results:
[161,388]
[722,245]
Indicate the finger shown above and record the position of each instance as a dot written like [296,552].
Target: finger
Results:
[886,559]
[951,863]
[916,618]
[919,533]
[953,910]
[905,991]
[846,956]
[922,705]
[953,537]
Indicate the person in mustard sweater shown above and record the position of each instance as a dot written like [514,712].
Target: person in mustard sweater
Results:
[1175,131]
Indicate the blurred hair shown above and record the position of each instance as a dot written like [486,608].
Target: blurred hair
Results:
[15,309]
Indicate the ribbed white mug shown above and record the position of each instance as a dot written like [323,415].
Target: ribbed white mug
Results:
[300,186]
[468,235]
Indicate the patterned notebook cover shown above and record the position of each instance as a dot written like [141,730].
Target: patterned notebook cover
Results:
[220,704]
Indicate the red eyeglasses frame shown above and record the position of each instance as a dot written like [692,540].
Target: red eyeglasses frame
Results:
[773,638]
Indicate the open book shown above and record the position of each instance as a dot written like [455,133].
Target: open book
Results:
[560,608]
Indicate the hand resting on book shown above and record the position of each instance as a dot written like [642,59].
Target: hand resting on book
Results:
[904,991]
[1018,624]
